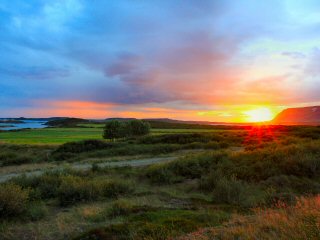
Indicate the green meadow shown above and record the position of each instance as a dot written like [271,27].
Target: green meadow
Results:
[55,136]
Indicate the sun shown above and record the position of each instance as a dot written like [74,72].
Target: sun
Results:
[262,114]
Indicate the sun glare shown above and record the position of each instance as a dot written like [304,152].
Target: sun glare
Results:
[259,115]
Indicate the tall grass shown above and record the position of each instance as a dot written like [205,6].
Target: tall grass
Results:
[300,221]
[13,200]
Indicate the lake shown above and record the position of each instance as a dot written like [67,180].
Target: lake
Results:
[25,124]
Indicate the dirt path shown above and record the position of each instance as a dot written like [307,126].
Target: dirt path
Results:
[85,166]
[5,176]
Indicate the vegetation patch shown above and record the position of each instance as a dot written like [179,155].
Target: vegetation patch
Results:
[160,225]
[13,200]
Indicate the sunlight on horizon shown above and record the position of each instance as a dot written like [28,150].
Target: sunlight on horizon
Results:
[262,114]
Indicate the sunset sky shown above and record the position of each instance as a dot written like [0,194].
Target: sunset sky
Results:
[219,60]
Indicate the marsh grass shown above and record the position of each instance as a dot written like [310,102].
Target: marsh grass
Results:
[284,222]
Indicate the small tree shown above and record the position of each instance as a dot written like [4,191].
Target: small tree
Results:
[138,128]
[114,129]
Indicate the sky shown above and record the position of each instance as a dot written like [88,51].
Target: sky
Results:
[211,60]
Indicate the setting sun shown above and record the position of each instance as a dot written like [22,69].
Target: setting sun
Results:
[259,115]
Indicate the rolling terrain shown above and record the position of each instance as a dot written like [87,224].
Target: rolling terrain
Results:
[299,116]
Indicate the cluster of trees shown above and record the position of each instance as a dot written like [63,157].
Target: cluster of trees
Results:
[121,129]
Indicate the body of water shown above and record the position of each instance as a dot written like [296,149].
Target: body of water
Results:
[25,124]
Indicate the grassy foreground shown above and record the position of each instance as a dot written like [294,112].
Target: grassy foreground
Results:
[257,183]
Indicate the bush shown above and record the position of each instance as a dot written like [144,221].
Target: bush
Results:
[83,146]
[121,208]
[19,154]
[116,129]
[298,185]
[179,138]
[115,188]
[11,158]
[138,128]
[37,211]
[75,189]
[235,192]
[44,186]
[190,167]
[13,200]
[160,173]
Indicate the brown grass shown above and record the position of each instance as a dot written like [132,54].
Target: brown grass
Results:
[300,221]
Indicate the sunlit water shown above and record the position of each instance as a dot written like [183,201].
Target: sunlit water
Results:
[25,124]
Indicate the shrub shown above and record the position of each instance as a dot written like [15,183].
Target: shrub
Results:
[160,173]
[299,185]
[83,146]
[115,129]
[45,185]
[193,166]
[235,192]
[76,189]
[120,208]
[19,154]
[13,200]
[11,158]
[179,138]
[137,128]
[115,231]
[37,211]
[115,188]
[119,129]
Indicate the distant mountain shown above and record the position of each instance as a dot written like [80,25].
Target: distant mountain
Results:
[119,119]
[304,115]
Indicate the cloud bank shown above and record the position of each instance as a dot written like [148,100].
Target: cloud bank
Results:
[137,56]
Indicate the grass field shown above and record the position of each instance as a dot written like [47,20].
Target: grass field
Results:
[50,135]
[252,183]
[54,136]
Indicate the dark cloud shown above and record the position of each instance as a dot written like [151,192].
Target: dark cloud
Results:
[123,65]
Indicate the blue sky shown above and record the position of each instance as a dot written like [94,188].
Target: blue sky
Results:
[186,59]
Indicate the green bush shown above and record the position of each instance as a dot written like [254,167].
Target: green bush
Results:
[44,186]
[298,185]
[76,189]
[160,173]
[122,129]
[179,138]
[120,208]
[13,200]
[236,192]
[20,154]
[115,188]
[37,211]
[11,158]
[190,167]
[82,146]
